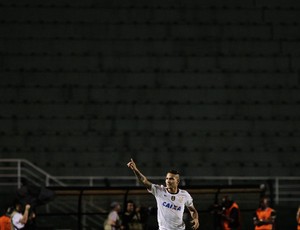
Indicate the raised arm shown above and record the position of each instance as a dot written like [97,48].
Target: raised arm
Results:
[24,219]
[131,164]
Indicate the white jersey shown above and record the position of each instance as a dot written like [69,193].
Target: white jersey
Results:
[16,220]
[170,207]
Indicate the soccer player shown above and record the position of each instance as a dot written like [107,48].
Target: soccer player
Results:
[170,200]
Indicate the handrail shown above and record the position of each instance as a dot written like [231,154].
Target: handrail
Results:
[125,192]
[281,184]
[34,167]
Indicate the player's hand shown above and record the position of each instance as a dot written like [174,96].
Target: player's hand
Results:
[195,223]
[131,164]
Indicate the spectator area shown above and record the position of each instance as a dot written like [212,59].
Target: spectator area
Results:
[208,87]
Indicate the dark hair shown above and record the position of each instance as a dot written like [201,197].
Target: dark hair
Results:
[17,202]
[129,202]
[173,171]
[9,210]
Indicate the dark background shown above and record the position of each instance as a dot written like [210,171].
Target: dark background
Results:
[210,88]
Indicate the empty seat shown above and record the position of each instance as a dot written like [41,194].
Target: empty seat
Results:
[210,87]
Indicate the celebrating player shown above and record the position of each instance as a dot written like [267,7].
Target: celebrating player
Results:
[170,200]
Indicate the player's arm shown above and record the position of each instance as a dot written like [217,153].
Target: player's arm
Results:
[139,175]
[24,219]
[195,217]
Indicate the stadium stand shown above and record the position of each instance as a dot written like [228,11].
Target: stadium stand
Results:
[208,87]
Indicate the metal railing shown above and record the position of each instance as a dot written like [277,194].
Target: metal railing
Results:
[13,170]
[284,189]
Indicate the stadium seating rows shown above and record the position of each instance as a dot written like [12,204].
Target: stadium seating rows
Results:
[208,87]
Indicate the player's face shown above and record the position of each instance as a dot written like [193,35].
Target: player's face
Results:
[172,180]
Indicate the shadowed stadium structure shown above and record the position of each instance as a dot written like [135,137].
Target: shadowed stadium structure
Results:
[210,88]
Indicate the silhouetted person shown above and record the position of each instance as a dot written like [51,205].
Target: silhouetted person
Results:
[131,219]
[113,221]
[5,220]
[298,218]
[264,217]
[230,216]
[19,217]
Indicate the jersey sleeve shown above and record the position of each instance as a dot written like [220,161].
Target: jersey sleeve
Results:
[155,188]
[189,200]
